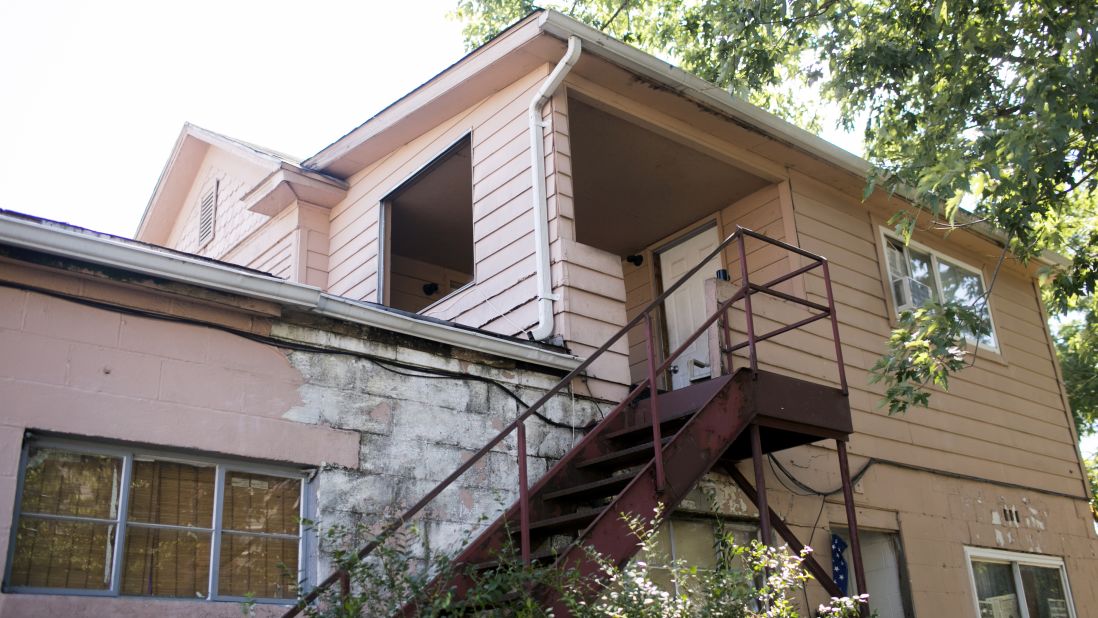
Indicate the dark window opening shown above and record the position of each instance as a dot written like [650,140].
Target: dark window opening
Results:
[429,232]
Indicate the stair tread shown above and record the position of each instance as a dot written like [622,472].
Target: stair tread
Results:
[565,520]
[535,558]
[593,487]
[624,453]
[618,433]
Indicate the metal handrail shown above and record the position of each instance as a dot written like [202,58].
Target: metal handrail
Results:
[746,290]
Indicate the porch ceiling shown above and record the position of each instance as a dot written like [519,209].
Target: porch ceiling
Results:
[634,187]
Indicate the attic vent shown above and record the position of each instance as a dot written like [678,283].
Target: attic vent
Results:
[1010,514]
[206,215]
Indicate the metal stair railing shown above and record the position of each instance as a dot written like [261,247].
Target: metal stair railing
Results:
[745,292]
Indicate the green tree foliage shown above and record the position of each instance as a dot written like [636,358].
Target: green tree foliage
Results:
[988,104]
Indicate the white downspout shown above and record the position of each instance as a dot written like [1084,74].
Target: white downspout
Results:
[544,329]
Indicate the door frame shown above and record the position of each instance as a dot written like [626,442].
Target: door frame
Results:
[652,255]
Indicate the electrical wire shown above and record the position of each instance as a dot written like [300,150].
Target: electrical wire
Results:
[393,366]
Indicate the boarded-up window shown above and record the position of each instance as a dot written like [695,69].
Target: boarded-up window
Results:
[174,523]
[207,209]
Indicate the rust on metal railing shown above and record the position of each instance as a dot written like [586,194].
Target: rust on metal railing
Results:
[650,384]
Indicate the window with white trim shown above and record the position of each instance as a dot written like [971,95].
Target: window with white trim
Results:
[109,521]
[1016,585]
[917,274]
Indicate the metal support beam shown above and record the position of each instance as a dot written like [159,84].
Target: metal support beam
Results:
[817,570]
[852,522]
[760,484]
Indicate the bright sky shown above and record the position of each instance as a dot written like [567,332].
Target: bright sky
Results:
[93,94]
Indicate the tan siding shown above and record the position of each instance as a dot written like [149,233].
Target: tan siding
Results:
[1002,418]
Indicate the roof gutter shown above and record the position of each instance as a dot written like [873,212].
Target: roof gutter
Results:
[544,328]
[117,253]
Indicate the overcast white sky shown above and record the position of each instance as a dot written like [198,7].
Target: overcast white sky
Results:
[93,94]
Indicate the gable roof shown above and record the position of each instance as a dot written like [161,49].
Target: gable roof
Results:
[183,165]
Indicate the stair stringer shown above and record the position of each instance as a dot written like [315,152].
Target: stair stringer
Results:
[693,452]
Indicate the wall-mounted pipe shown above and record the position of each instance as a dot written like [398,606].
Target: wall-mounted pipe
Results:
[544,329]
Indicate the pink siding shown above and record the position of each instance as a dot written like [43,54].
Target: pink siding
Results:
[232,223]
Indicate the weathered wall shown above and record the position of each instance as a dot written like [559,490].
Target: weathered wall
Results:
[380,439]
[935,517]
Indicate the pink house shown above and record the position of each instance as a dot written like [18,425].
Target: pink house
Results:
[331,338]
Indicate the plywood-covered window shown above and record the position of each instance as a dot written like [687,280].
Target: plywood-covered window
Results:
[106,521]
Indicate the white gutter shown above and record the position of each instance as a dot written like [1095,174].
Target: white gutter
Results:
[544,329]
[104,250]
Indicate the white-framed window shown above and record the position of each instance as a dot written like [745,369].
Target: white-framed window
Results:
[1010,584]
[104,520]
[917,274]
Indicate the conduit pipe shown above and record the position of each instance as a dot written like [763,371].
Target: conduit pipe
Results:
[544,329]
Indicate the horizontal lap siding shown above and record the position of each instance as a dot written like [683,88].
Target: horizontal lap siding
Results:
[501,198]
[233,223]
[1001,418]
[762,212]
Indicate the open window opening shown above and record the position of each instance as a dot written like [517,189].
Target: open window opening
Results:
[427,232]
[649,197]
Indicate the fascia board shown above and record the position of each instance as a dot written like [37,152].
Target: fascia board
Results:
[705,93]
[104,251]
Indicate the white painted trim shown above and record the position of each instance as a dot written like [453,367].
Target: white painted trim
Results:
[936,254]
[117,253]
[1014,559]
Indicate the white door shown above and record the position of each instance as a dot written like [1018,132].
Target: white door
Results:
[684,310]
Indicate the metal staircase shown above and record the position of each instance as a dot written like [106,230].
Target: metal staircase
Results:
[653,450]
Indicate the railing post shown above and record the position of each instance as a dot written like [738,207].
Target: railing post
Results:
[834,326]
[524,495]
[654,407]
[726,339]
[747,305]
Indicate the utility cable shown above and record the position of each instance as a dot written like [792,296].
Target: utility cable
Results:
[391,365]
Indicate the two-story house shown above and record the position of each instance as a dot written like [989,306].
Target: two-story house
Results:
[329,339]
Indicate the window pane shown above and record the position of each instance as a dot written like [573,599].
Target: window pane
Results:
[695,543]
[261,503]
[995,590]
[164,492]
[258,565]
[897,263]
[62,554]
[1044,590]
[65,483]
[921,271]
[166,563]
[965,287]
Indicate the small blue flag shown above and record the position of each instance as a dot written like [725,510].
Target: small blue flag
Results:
[838,562]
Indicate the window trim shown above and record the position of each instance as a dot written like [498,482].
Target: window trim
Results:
[385,223]
[886,235]
[1014,559]
[127,454]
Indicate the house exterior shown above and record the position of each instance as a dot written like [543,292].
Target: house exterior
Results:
[330,338]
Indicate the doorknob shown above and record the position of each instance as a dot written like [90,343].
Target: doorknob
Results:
[674,369]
